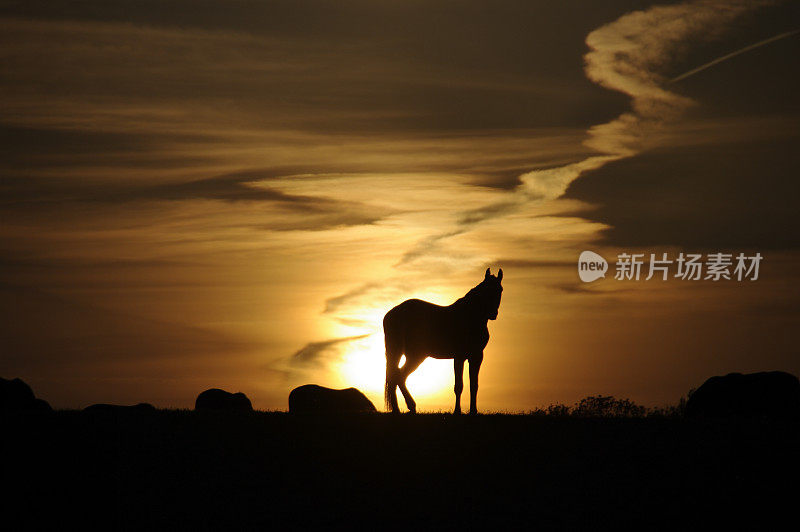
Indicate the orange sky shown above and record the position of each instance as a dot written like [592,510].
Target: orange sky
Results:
[235,196]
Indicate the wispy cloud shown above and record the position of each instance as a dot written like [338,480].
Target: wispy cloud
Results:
[632,55]
[313,352]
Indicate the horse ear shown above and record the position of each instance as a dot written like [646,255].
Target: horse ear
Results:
[488,273]
[500,275]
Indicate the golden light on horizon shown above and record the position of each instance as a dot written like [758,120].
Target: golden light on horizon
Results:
[363,365]
[216,202]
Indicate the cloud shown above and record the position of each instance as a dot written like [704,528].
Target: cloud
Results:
[368,295]
[159,75]
[716,174]
[314,352]
[730,194]
[46,333]
[211,107]
[633,54]
[334,303]
[508,263]
[630,55]
[429,245]
[287,212]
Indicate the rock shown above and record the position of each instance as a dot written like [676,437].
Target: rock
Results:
[216,399]
[313,399]
[770,394]
[16,395]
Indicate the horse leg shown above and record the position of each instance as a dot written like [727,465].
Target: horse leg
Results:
[458,367]
[412,363]
[390,392]
[474,368]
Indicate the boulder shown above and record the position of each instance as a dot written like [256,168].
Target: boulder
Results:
[313,399]
[216,399]
[16,395]
[769,393]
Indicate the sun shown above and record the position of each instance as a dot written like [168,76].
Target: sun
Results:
[363,366]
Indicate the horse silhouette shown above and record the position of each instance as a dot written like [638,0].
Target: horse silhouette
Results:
[418,329]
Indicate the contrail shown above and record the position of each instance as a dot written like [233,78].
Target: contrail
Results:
[734,54]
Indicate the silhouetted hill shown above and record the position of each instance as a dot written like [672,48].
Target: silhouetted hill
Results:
[185,470]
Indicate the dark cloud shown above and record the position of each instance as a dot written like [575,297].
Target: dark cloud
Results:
[428,244]
[350,66]
[236,187]
[731,182]
[759,82]
[20,195]
[27,149]
[486,212]
[718,196]
[334,303]
[46,333]
[466,220]
[587,289]
[313,352]
[347,18]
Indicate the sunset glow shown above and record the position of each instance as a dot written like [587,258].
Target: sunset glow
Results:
[234,196]
[364,366]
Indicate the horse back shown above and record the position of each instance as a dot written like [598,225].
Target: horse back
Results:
[442,332]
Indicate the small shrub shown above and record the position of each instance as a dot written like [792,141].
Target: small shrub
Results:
[553,410]
[558,410]
[607,406]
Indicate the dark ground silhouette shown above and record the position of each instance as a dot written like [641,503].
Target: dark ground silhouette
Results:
[204,470]
[103,408]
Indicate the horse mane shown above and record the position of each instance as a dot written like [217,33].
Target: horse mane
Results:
[469,297]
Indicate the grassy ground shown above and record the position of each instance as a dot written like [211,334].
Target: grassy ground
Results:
[199,471]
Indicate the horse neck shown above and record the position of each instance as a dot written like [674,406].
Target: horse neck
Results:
[466,306]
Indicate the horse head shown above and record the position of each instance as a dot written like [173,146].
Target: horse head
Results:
[488,293]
